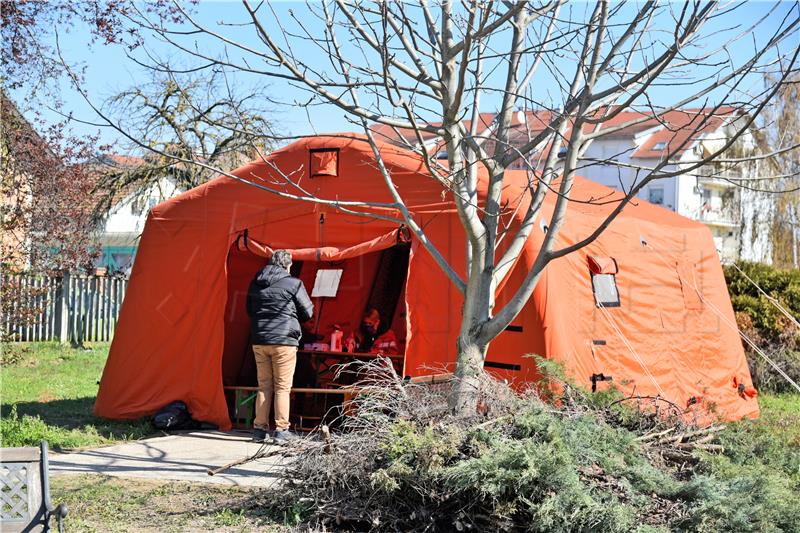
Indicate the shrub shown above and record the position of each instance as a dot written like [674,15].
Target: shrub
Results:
[762,321]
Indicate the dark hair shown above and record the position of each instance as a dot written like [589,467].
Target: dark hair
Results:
[372,311]
[281,258]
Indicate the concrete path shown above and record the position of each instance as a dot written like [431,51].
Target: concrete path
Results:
[182,457]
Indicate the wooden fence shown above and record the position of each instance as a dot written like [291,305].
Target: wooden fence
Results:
[69,308]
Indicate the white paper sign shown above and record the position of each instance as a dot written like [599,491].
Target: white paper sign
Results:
[327,283]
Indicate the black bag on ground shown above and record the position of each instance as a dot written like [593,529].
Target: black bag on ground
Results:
[173,416]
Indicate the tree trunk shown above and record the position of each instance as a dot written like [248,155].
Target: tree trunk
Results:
[469,365]
[793,227]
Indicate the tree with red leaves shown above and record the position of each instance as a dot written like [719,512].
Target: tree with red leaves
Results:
[47,192]
[46,196]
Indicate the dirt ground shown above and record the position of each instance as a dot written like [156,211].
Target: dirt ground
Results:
[110,504]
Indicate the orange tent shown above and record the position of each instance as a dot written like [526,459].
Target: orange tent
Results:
[665,328]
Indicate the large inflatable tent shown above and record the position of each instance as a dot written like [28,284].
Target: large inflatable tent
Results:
[645,305]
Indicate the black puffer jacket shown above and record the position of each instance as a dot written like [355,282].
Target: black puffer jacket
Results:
[277,303]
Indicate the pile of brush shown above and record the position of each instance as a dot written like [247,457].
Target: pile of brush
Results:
[556,458]
[678,444]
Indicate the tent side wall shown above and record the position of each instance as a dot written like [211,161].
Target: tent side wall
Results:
[664,339]
[168,341]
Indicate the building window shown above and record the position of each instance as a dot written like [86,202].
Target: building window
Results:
[442,155]
[659,146]
[116,258]
[604,280]
[656,195]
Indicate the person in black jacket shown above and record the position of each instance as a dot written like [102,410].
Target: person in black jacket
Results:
[277,304]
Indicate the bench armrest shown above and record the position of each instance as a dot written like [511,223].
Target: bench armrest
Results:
[61,510]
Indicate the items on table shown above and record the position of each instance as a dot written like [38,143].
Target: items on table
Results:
[336,338]
[317,347]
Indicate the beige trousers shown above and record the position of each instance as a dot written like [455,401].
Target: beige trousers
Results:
[275,370]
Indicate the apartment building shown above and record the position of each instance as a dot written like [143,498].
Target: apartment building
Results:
[635,144]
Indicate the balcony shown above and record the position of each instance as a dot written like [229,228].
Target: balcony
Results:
[717,175]
[727,216]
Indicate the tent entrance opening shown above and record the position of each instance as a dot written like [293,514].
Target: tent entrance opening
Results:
[371,289]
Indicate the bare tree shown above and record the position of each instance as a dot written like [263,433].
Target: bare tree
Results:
[781,127]
[181,118]
[421,72]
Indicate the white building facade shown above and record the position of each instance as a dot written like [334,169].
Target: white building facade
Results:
[123,225]
[724,196]
[739,218]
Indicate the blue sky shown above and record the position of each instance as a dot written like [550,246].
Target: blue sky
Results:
[109,71]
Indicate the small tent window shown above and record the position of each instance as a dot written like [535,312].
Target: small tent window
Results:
[604,280]
[324,162]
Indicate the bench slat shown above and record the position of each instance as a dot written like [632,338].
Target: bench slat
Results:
[20,455]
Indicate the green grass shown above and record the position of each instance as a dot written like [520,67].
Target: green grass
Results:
[48,392]
[771,442]
[109,504]
[780,405]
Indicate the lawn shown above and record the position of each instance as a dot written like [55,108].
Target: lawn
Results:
[47,393]
[110,504]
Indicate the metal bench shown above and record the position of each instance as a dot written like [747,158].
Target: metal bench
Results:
[25,491]
[244,402]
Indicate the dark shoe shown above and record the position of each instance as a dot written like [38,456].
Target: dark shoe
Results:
[259,435]
[284,437]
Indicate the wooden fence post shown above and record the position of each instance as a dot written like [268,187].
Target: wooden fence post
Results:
[62,309]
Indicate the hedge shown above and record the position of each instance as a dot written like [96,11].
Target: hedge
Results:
[762,321]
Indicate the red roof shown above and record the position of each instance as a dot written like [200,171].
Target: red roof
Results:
[680,129]
[109,164]
[677,129]
[390,134]
[123,160]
